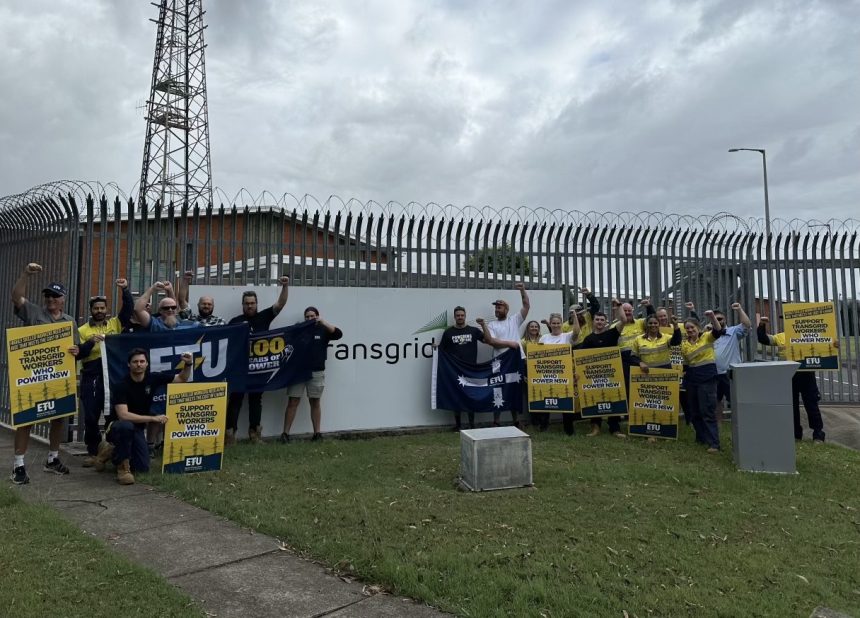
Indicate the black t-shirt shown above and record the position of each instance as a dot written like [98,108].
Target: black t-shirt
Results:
[607,339]
[260,321]
[319,345]
[462,343]
[137,395]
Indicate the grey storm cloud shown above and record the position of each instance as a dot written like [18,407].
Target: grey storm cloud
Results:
[607,106]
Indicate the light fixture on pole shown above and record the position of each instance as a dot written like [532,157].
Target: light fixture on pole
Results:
[764,168]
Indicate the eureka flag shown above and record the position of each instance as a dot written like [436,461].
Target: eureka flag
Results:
[492,386]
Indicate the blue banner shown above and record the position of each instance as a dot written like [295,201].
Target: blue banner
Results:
[220,355]
[486,387]
[279,358]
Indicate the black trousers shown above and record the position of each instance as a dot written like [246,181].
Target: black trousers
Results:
[804,386]
[234,406]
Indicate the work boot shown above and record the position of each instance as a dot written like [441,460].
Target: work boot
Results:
[255,434]
[123,473]
[595,431]
[89,461]
[229,437]
[104,455]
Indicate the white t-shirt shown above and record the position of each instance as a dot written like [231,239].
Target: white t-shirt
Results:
[507,330]
[560,338]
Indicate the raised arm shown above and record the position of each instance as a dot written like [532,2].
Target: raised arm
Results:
[140,312]
[126,307]
[620,318]
[282,297]
[716,327]
[524,311]
[182,285]
[743,318]
[649,308]
[19,290]
[188,363]
[591,299]
[761,331]
[691,309]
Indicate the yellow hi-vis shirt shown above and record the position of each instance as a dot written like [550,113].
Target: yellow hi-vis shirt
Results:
[778,341]
[631,331]
[653,352]
[110,327]
[699,353]
[584,329]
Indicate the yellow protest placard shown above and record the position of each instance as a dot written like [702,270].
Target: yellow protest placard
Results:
[654,403]
[42,374]
[677,358]
[194,434]
[550,378]
[810,334]
[600,382]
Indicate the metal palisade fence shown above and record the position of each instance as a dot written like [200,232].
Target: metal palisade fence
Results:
[86,235]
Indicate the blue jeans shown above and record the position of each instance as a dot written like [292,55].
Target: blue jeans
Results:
[129,442]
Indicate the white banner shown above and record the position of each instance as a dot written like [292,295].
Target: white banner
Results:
[378,374]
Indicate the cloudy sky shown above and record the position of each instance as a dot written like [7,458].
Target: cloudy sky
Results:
[590,105]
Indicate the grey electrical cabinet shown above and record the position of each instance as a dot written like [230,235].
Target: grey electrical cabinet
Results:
[762,422]
[495,458]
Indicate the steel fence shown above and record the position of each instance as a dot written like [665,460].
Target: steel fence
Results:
[87,234]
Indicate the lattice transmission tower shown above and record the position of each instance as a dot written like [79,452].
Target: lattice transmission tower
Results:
[176,160]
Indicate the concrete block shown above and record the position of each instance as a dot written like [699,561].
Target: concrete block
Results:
[495,458]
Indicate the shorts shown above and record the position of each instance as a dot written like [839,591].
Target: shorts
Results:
[313,387]
[724,388]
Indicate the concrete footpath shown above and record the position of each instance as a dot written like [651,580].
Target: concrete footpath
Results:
[841,424]
[228,570]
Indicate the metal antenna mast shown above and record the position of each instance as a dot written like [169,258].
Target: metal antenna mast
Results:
[176,160]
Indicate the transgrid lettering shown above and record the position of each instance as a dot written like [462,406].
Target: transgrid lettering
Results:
[392,352]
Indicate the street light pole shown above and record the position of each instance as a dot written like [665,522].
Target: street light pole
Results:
[764,169]
[767,245]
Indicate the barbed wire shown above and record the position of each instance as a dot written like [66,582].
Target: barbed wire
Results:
[80,190]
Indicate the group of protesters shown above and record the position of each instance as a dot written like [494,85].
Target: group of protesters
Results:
[706,350]
[132,430]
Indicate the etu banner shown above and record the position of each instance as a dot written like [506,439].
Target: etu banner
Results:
[194,434]
[42,378]
[549,368]
[279,358]
[220,355]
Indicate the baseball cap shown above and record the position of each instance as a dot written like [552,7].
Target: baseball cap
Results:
[501,302]
[578,308]
[55,289]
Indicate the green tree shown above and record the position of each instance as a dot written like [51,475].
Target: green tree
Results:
[500,260]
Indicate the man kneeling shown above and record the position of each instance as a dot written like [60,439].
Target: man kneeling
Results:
[131,411]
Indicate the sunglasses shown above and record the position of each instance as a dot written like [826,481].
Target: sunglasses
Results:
[49,295]
[168,308]
[98,299]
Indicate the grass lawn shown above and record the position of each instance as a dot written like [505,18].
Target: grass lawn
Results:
[50,568]
[611,526]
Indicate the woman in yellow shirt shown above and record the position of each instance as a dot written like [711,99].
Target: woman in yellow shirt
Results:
[653,349]
[700,379]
